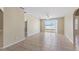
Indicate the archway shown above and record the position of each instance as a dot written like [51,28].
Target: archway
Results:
[76,28]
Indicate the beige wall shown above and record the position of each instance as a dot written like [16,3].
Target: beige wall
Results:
[60,26]
[33,25]
[42,29]
[13,25]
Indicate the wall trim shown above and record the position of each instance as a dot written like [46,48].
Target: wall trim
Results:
[17,41]
[12,44]
[69,40]
[33,33]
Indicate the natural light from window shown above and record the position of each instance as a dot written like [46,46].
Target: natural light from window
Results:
[50,24]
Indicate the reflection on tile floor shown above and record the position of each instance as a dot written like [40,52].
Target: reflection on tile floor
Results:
[43,42]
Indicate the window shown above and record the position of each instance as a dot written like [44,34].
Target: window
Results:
[50,24]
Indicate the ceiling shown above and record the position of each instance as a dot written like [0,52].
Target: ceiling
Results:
[48,12]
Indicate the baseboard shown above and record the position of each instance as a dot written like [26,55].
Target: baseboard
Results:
[32,34]
[69,40]
[13,43]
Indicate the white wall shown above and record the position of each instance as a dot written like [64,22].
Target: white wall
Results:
[13,25]
[33,25]
[69,27]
